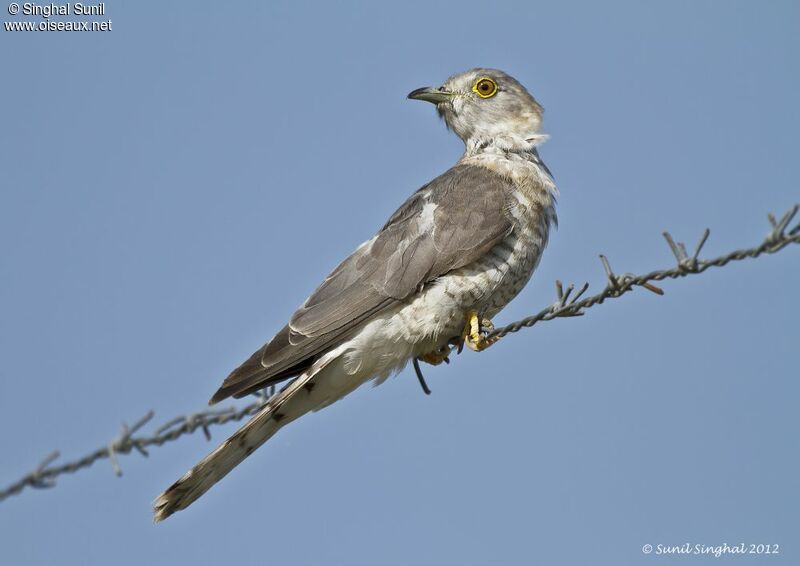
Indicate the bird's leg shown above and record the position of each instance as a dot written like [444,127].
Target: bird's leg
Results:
[420,377]
[434,358]
[476,331]
[437,356]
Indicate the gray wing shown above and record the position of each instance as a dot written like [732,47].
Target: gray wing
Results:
[447,224]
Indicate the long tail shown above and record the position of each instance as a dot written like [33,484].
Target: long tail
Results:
[230,453]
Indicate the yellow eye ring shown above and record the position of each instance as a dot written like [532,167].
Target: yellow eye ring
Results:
[485,87]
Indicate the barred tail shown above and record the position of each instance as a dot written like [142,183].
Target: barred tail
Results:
[229,454]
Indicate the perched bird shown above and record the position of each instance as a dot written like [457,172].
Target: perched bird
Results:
[448,260]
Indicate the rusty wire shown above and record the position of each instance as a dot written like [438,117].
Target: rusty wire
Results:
[566,305]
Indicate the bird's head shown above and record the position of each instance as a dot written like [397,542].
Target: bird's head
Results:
[486,106]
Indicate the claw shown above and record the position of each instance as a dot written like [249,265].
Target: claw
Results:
[434,358]
[476,331]
[437,356]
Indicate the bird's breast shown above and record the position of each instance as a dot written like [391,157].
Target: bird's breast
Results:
[503,272]
[437,313]
[509,265]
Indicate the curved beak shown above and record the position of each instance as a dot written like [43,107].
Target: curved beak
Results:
[430,94]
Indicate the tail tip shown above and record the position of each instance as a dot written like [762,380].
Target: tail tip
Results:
[162,508]
[173,499]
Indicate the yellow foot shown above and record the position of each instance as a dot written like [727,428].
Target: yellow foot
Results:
[476,330]
[437,356]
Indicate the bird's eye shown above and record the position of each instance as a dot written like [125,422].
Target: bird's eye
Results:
[485,87]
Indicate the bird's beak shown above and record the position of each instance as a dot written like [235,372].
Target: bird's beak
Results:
[430,94]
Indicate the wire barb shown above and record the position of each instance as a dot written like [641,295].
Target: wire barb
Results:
[673,247]
[700,244]
[37,478]
[612,279]
[563,302]
[123,443]
[580,293]
[652,288]
[779,226]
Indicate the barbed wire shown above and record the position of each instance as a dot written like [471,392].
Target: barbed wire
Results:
[44,475]
[566,305]
[617,285]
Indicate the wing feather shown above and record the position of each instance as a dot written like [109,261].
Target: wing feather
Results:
[447,224]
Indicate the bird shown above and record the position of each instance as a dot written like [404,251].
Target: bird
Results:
[431,279]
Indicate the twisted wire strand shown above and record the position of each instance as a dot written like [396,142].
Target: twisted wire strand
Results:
[618,285]
[567,305]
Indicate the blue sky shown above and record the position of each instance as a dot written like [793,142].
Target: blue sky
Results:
[174,188]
